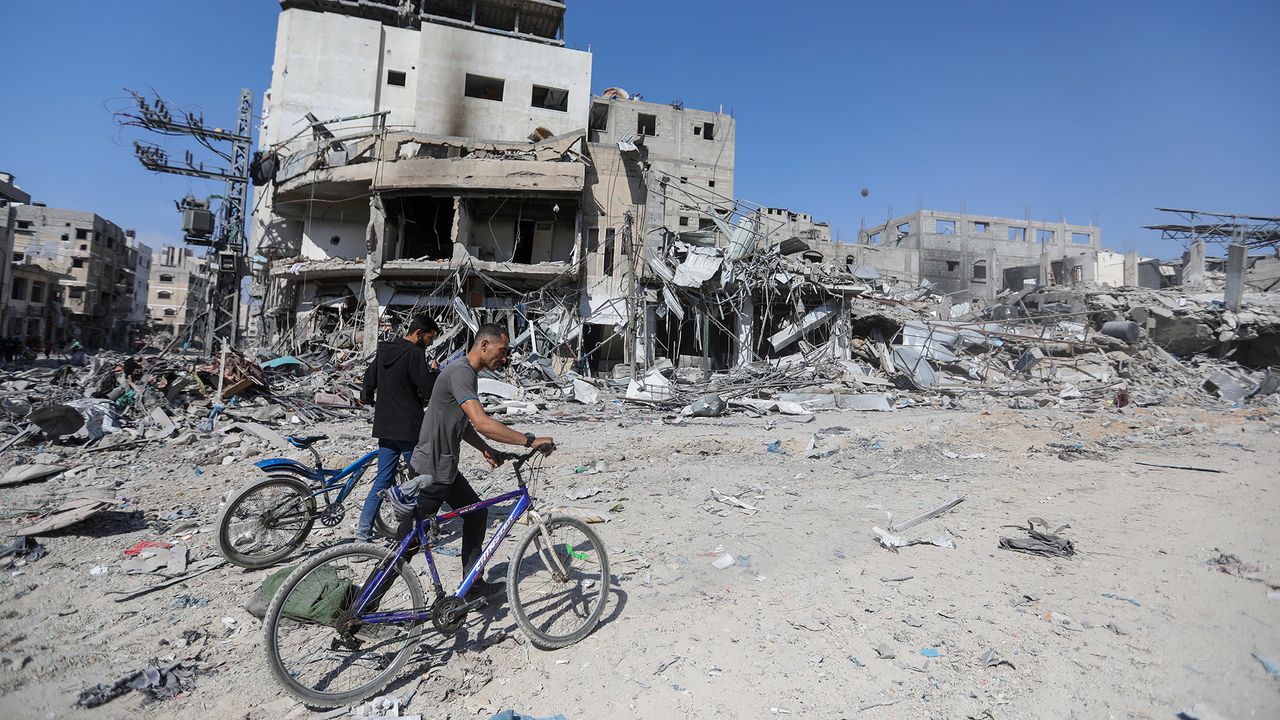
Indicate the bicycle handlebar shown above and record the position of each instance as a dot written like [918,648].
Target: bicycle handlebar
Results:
[519,459]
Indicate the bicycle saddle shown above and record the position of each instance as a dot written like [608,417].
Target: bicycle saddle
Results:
[305,441]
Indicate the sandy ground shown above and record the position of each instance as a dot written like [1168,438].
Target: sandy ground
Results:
[798,625]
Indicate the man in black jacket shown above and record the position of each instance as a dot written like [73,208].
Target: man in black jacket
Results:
[401,381]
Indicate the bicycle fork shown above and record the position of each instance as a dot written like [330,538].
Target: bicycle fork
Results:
[553,562]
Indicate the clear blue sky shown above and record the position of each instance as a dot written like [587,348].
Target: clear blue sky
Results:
[1093,109]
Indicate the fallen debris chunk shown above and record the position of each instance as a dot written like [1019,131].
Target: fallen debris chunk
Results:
[921,517]
[75,509]
[1041,542]
[706,406]
[24,473]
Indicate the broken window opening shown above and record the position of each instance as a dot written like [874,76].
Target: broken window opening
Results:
[953,265]
[522,231]
[981,227]
[19,288]
[593,240]
[484,88]
[599,118]
[706,224]
[1080,238]
[1017,234]
[423,226]
[82,234]
[711,183]
[874,238]
[76,293]
[549,98]
[905,228]
[170,312]
[647,125]
[164,295]
[1044,236]
[77,262]
[608,251]
[980,270]
[945,227]
[397,77]
[684,221]
[708,131]
[166,278]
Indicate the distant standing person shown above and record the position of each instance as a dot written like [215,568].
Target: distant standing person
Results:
[398,383]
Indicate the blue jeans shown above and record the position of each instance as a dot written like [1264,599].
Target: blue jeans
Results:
[390,453]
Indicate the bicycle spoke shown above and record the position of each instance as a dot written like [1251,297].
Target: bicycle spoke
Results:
[322,647]
[558,583]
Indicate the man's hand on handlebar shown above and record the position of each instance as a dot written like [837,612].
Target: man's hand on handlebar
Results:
[495,457]
[544,445]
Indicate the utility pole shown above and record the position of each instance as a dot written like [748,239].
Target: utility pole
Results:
[228,259]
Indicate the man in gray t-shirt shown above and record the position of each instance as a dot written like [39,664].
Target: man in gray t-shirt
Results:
[455,414]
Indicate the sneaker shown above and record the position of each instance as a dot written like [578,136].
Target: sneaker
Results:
[483,589]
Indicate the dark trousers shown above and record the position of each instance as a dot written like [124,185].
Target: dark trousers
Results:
[457,493]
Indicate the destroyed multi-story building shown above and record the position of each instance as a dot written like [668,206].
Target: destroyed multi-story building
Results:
[93,252]
[177,291]
[140,257]
[11,196]
[977,256]
[424,176]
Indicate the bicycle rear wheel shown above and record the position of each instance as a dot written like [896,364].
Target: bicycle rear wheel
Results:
[318,649]
[558,583]
[265,521]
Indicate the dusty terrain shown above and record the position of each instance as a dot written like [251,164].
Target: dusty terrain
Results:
[794,627]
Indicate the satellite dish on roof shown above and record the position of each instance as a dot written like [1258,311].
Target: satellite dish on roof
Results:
[616,92]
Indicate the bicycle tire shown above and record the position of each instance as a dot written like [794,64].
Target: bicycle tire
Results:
[227,545]
[385,523]
[539,638]
[275,611]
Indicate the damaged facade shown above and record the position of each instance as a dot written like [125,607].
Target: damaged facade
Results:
[429,192]
[93,262]
[977,256]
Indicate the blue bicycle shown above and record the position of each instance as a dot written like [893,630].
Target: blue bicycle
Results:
[265,521]
[344,623]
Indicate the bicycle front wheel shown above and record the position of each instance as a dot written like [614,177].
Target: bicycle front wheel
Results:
[558,582]
[319,649]
[264,522]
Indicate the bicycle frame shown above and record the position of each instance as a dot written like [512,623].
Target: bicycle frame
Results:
[420,535]
[328,479]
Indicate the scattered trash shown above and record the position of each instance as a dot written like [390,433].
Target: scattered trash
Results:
[1271,666]
[885,652]
[724,562]
[991,658]
[583,493]
[1121,628]
[776,447]
[1042,542]
[1131,601]
[155,681]
[734,502]
[23,548]
[1176,467]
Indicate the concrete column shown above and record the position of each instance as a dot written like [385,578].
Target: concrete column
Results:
[995,279]
[650,328]
[1235,276]
[1193,269]
[1046,269]
[375,241]
[1131,269]
[745,331]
